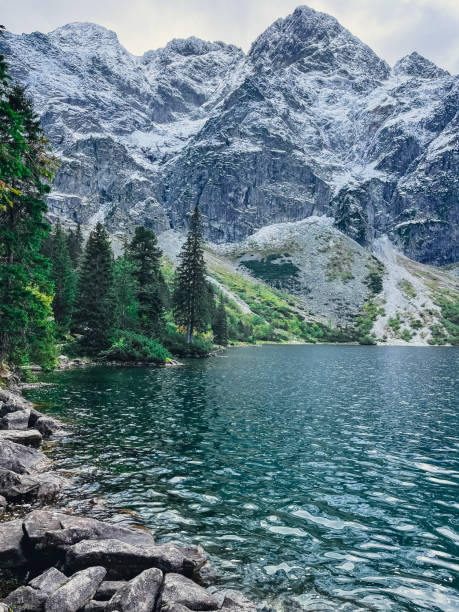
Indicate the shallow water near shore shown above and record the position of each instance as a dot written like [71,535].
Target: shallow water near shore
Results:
[322,475]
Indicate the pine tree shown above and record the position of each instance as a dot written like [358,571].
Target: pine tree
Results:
[26,321]
[64,279]
[125,295]
[75,245]
[220,326]
[94,309]
[191,292]
[144,253]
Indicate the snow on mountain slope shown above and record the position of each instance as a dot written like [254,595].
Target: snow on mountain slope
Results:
[309,122]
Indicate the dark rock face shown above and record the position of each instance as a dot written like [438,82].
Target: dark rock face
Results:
[311,121]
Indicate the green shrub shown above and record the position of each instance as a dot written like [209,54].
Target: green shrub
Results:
[177,345]
[406,335]
[129,346]
[369,340]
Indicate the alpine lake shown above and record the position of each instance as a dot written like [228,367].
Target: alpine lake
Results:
[316,477]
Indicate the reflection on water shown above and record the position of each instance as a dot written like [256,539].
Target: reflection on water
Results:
[324,475]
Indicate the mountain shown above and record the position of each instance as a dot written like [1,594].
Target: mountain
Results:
[310,122]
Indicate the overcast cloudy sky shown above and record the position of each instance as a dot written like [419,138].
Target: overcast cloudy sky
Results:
[392,28]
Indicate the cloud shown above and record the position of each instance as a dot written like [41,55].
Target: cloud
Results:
[393,28]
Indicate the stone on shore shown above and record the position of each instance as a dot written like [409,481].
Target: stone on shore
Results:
[22,459]
[181,590]
[27,488]
[48,426]
[52,533]
[28,437]
[15,420]
[10,402]
[26,599]
[125,561]
[3,503]
[49,581]
[76,592]
[235,601]
[11,544]
[139,594]
[108,588]
[94,606]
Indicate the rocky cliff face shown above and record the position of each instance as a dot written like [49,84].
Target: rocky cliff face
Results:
[309,122]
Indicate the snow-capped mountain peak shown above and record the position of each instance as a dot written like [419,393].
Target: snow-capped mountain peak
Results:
[310,122]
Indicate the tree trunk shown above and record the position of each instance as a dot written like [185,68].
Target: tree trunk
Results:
[189,333]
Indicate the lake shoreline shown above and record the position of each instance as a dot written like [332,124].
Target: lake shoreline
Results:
[72,559]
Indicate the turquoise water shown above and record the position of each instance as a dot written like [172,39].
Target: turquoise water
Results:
[320,475]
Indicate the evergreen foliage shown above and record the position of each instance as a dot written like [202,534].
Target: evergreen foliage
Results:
[151,289]
[125,295]
[191,297]
[26,167]
[75,245]
[220,325]
[64,279]
[129,346]
[94,313]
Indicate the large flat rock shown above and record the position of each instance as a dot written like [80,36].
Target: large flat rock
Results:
[28,437]
[125,561]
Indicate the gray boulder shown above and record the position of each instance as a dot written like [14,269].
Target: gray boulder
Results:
[22,459]
[43,487]
[10,402]
[76,592]
[15,420]
[49,581]
[125,561]
[11,544]
[48,426]
[174,607]
[4,608]
[108,588]
[181,590]
[26,599]
[28,437]
[139,594]
[3,503]
[54,532]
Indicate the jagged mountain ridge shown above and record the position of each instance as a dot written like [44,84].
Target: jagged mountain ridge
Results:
[309,122]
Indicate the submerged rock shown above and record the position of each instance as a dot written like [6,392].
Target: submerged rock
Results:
[139,594]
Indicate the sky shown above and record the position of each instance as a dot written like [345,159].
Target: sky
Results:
[392,28]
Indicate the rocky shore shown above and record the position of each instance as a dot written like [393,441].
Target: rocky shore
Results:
[69,563]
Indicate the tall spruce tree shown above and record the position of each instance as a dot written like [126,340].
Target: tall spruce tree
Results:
[75,244]
[64,279]
[191,292]
[144,253]
[220,326]
[26,167]
[125,296]
[94,308]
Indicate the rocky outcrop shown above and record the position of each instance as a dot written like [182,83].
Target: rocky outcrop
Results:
[45,542]
[148,578]
[310,122]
